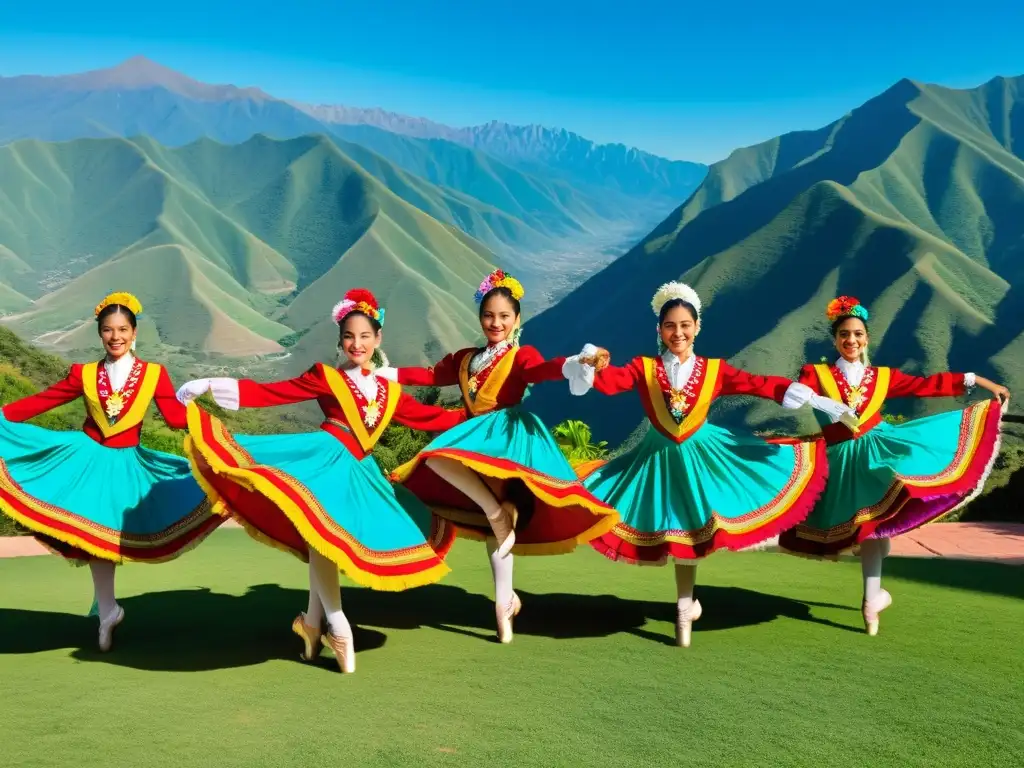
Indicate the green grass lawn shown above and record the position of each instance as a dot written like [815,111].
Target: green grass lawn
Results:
[206,670]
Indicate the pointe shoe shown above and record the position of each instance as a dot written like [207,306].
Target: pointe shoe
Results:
[503,525]
[684,623]
[871,611]
[344,651]
[107,627]
[505,615]
[310,637]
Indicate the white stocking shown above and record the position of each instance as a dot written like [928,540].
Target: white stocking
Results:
[686,577]
[323,575]
[872,553]
[468,482]
[103,586]
[501,567]
[315,610]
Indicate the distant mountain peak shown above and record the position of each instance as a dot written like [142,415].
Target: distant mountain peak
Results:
[140,73]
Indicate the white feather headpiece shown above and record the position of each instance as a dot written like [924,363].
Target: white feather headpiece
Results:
[675,290]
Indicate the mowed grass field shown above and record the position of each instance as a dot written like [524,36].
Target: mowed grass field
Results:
[205,670]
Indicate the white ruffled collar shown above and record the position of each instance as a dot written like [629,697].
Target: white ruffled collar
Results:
[119,370]
[486,356]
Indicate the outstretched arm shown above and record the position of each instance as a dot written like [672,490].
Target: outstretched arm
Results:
[233,394]
[168,404]
[444,374]
[533,368]
[738,382]
[62,392]
[791,395]
[426,418]
[590,370]
[941,385]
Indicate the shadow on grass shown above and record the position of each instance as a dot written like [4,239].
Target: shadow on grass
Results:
[567,616]
[973,575]
[179,631]
[199,630]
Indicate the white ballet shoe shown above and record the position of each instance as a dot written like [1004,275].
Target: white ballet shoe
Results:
[505,614]
[310,637]
[871,611]
[344,651]
[684,623]
[503,525]
[107,627]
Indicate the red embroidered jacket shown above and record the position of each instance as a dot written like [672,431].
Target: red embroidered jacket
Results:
[677,414]
[147,382]
[348,415]
[500,385]
[875,388]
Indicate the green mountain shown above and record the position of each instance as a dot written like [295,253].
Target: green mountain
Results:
[535,197]
[235,251]
[913,202]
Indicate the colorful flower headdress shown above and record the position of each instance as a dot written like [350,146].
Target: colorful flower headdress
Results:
[499,279]
[846,306]
[125,300]
[674,290]
[358,300]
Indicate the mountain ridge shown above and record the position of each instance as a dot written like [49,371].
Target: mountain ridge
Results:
[914,202]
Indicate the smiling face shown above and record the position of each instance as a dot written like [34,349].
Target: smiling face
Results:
[678,328]
[851,338]
[359,339]
[498,318]
[117,334]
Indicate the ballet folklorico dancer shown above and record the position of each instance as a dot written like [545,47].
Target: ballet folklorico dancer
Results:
[500,476]
[97,496]
[887,479]
[321,495]
[691,487]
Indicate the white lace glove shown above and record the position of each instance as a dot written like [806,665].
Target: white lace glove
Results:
[190,390]
[580,375]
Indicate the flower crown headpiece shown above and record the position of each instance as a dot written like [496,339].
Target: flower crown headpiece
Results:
[125,300]
[675,290]
[358,300]
[499,279]
[846,306]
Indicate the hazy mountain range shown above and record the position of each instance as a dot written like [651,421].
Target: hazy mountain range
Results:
[565,199]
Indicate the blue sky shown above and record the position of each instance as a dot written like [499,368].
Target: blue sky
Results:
[682,79]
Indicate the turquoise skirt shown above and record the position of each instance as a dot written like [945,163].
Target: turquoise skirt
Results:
[86,500]
[296,491]
[717,489]
[895,478]
[517,452]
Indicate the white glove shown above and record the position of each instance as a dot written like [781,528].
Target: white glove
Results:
[836,411]
[190,390]
[579,374]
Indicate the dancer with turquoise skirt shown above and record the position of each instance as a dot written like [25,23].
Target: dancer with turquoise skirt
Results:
[321,495]
[97,496]
[885,479]
[690,487]
[500,477]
